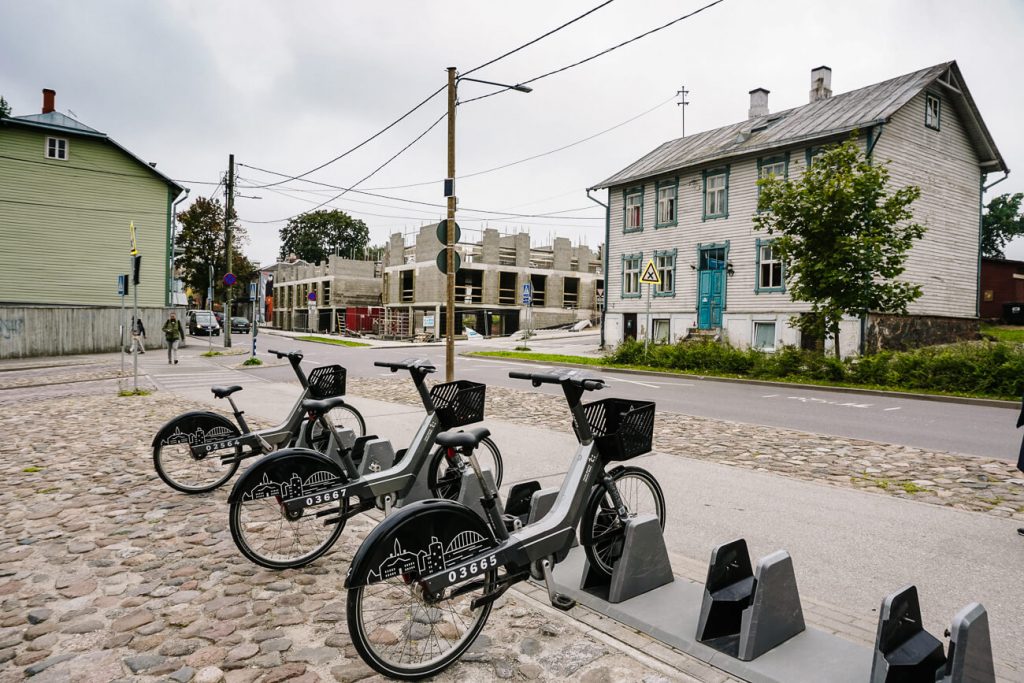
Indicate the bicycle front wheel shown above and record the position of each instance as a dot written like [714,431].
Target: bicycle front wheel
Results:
[342,417]
[445,479]
[179,468]
[602,532]
[265,533]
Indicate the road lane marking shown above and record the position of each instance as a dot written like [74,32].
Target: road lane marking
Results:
[891,408]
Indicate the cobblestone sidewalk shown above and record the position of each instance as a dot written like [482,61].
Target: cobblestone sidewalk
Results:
[108,575]
[965,482]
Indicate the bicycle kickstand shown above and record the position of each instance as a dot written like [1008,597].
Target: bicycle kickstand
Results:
[558,600]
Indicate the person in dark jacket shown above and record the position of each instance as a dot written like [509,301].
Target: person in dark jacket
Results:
[173,333]
[138,336]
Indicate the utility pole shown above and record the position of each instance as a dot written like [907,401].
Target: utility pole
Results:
[683,92]
[229,190]
[449,363]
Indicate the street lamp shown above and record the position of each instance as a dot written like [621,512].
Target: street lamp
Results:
[450,193]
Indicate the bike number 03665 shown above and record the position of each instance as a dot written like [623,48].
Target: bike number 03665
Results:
[468,570]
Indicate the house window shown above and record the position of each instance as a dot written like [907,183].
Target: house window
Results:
[634,208]
[716,194]
[631,275]
[813,153]
[659,330]
[668,192]
[665,262]
[932,109]
[764,336]
[57,148]
[774,166]
[769,268]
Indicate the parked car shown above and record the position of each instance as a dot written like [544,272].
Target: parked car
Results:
[203,322]
[239,324]
[220,318]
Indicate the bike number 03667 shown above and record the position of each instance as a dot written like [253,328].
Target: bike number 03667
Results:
[468,570]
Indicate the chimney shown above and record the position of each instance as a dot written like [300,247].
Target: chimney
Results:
[48,100]
[821,83]
[758,103]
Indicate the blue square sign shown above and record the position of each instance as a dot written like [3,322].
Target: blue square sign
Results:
[527,293]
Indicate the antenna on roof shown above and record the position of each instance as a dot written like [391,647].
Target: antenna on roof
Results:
[683,92]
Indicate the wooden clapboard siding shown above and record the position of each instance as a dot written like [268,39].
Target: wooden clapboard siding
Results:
[64,224]
[944,164]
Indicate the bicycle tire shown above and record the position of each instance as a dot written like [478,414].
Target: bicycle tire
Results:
[399,634]
[602,532]
[318,439]
[249,517]
[173,459]
[446,482]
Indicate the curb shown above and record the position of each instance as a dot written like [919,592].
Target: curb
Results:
[984,402]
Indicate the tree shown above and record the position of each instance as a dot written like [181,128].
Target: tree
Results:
[5,107]
[1001,222]
[316,235]
[202,238]
[843,237]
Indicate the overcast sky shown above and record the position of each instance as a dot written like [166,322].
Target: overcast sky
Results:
[286,86]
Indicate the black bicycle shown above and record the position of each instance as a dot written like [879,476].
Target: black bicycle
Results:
[290,507]
[198,451]
[422,584]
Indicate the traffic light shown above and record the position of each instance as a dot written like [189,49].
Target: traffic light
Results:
[136,267]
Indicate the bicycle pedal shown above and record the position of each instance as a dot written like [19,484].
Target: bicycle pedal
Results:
[562,602]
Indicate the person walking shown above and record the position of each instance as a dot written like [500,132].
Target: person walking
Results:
[173,333]
[138,336]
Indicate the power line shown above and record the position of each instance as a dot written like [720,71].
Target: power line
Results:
[538,39]
[599,54]
[364,142]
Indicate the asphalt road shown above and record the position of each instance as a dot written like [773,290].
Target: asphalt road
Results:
[930,425]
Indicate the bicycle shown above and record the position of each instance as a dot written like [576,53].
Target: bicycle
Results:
[422,584]
[280,506]
[200,450]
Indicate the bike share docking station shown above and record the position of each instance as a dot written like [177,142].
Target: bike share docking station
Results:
[749,623]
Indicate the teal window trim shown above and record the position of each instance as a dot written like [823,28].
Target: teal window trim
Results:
[810,153]
[658,187]
[758,289]
[672,253]
[711,173]
[725,281]
[639,256]
[626,193]
[928,98]
[768,161]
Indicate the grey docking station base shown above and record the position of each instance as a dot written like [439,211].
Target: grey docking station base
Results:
[671,613]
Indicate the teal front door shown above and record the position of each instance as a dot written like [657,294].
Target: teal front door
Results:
[711,288]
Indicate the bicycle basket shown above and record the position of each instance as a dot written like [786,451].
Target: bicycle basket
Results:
[458,403]
[622,428]
[327,382]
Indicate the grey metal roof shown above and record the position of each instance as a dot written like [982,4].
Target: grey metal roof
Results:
[62,123]
[825,118]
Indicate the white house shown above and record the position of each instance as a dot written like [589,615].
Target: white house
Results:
[689,206]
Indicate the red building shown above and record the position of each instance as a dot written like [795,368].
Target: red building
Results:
[1002,282]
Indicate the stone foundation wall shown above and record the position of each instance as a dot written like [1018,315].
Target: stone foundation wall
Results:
[902,332]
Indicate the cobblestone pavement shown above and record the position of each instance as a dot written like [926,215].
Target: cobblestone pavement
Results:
[964,482]
[106,574]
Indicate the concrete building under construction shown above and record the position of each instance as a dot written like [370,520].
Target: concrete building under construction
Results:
[346,295]
[566,284]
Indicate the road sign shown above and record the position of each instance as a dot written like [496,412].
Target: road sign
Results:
[527,293]
[252,291]
[442,261]
[428,321]
[442,232]
[312,297]
[230,279]
[650,276]
[122,285]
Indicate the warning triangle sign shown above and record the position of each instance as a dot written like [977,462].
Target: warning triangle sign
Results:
[650,276]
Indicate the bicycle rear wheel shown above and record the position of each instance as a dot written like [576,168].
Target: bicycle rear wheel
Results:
[185,472]
[445,480]
[342,417]
[602,532]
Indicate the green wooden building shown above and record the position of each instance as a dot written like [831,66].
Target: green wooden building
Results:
[67,196]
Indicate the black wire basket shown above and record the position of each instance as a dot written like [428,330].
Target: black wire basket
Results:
[327,382]
[622,428]
[458,403]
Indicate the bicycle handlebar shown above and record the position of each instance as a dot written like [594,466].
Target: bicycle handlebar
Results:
[419,364]
[565,377]
[290,355]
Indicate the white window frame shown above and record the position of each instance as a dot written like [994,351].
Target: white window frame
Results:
[775,168]
[932,119]
[715,189]
[631,274]
[634,211]
[665,263]
[60,148]
[768,257]
[661,323]
[775,332]
[667,200]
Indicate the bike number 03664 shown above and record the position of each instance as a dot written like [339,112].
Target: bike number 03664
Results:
[468,570]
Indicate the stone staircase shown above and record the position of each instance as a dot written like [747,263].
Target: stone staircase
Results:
[695,334]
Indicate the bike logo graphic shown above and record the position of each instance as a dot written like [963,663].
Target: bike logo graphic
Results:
[200,436]
[295,487]
[435,558]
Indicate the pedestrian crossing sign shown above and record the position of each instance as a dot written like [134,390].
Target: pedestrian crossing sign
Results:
[650,276]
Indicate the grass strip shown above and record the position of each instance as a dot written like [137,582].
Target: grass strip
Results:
[336,342]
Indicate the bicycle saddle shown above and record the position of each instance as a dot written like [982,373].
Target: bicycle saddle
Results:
[310,405]
[222,392]
[469,438]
